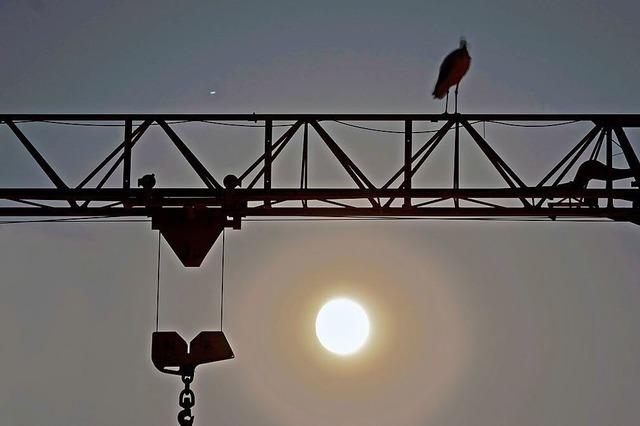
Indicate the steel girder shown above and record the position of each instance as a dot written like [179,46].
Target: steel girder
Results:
[252,192]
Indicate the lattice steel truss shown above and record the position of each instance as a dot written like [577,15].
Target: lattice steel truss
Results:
[251,193]
[192,218]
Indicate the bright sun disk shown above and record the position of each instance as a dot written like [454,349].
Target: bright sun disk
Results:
[342,326]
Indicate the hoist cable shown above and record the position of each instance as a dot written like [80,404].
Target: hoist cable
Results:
[222,283]
[158,283]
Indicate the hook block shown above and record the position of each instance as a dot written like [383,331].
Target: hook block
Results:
[171,355]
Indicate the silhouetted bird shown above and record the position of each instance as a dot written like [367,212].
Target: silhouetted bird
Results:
[147,181]
[231,181]
[453,68]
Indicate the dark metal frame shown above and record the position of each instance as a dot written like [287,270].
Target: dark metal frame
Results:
[397,197]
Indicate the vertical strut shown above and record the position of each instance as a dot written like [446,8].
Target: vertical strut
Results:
[609,181]
[304,172]
[408,151]
[128,142]
[456,156]
[268,130]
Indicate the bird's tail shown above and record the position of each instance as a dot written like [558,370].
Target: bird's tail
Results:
[439,92]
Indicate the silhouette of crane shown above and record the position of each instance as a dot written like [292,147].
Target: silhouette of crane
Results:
[191,218]
[453,68]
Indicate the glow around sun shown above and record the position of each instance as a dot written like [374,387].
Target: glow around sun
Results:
[342,326]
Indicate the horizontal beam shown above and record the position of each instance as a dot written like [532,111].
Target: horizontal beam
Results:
[618,213]
[291,194]
[621,120]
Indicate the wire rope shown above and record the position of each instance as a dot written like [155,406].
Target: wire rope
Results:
[158,282]
[563,123]
[222,283]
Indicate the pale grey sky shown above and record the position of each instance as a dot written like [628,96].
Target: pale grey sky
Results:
[478,323]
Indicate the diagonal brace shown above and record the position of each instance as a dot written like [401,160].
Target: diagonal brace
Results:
[432,142]
[46,168]
[278,146]
[198,167]
[53,176]
[572,156]
[498,163]
[356,174]
[409,168]
[135,136]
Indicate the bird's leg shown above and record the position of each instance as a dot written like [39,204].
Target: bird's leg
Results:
[446,103]
[457,97]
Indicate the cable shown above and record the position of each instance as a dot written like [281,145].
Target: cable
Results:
[222,284]
[158,283]
[373,129]
[397,132]
[503,123]
[219,123]
[83,124]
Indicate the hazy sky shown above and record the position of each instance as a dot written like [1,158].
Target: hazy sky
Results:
[472,322]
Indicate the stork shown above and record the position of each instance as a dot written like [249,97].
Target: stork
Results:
[453,68]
